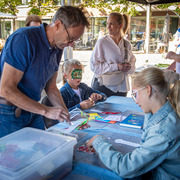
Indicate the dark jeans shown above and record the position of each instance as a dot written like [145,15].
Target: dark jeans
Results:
[105,90]
[9,123]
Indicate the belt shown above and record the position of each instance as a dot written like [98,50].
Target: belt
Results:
[5,102]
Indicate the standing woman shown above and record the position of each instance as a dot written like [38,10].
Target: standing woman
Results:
[112,59]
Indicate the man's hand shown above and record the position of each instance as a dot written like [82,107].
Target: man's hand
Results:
[125,67]
[96,97]
[58,113]
[170,55]
[86,104]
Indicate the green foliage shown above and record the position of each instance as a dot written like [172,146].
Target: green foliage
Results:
[122,6]
[164,6]
[9,6]
[34,10]
[103,23]
[39,8]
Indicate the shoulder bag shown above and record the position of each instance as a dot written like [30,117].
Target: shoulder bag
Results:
[114,78]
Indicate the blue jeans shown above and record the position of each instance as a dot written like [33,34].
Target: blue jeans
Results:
[10,123]
[138,44]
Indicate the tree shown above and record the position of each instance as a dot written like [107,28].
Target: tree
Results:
[42,7]
[123,6]
[39,7]
[9,6]
[165,6]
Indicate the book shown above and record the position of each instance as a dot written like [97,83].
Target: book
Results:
[133,120]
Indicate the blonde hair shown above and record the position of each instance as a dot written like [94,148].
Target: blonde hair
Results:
[67,67]
[166,83]
[122,19]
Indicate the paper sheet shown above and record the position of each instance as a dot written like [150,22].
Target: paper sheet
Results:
[74,125]
[115,118]
[121,141]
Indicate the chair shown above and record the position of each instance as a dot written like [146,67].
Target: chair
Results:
[152,46]
[162,47]
[48,122]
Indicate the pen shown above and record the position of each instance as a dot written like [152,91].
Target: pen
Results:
[90,99]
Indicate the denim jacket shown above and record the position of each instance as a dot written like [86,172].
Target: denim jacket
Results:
[72,100]
[159,150]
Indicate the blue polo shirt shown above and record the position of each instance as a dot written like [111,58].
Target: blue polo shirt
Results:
[29,51]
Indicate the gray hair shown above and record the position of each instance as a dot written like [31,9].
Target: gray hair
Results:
[71,16]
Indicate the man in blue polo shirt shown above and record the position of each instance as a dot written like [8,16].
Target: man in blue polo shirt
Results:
[29,63]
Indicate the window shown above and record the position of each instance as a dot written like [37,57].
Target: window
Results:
[138,27]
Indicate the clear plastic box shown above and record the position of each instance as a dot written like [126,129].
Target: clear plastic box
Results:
[35,154]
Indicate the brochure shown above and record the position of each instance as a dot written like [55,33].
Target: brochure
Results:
[133,120]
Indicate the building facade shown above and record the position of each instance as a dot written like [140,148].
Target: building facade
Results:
[98,28]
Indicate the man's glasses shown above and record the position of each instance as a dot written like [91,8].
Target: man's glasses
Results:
[70,39]
[135,93]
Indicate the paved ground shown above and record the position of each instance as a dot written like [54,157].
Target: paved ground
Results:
[141,60]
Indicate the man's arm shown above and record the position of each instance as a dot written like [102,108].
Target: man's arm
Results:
[8,89]
[53,93]
[173,55]
[172,66]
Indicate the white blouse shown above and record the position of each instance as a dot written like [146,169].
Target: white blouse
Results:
[105,57]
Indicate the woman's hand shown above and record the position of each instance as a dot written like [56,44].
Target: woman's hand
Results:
[86,104]
[124,66]
[96,97]
[89,143]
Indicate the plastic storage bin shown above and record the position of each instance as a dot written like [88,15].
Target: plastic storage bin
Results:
[32,154]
